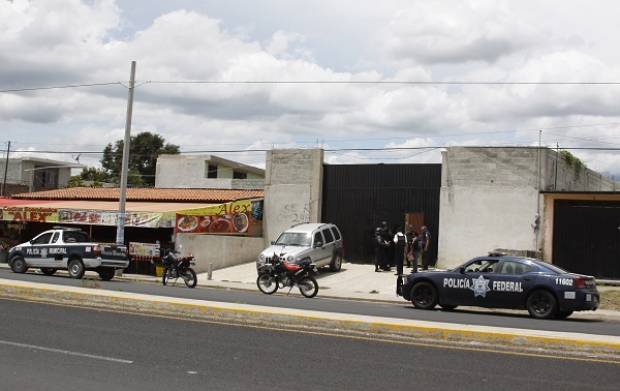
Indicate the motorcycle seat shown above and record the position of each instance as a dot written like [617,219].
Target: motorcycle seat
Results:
[291,267]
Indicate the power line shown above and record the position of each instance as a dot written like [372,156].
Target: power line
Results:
[396,82]
[61,87]
[334,149]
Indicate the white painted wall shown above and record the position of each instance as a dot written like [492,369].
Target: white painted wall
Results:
[221,251]
[190,172]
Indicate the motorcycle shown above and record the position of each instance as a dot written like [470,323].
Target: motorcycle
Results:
[175,267]
[279,274]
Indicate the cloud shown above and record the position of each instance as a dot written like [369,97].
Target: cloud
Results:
[48,43]
[433,32]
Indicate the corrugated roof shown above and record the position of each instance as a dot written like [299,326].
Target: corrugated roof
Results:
[140,194]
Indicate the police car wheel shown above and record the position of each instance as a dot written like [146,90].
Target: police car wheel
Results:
[541,304]
[48,271]
[76,269]
[424,295]
[18,265]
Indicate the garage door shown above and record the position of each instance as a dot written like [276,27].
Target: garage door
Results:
[586,237]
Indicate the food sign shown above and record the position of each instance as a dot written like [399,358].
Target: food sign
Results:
[233,218]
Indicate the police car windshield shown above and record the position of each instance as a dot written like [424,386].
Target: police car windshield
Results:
[294,239]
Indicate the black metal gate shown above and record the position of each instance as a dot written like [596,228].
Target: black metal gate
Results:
[586,237]
[358,197]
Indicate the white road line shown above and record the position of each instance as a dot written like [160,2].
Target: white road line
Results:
[67,352]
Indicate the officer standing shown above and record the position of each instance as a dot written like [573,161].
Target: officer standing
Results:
[400,242]
[425,241]
[382,243]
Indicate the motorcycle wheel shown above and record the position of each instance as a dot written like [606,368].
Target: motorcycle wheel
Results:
[308,287]
[267,283]
[166,276]
[189,276]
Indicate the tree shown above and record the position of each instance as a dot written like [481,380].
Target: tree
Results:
[144,149]
[95,177]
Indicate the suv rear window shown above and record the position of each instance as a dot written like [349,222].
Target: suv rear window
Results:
[336,233]
[328,235]
[75,237]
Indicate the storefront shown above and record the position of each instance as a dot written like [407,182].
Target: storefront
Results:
[145,222]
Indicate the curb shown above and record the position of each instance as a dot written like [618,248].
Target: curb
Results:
[572,344]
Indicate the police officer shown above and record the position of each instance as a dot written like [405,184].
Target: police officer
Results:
[382,243]
[400,242]
[425,241]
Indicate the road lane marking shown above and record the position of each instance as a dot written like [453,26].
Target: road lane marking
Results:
[424,344]
[66,352]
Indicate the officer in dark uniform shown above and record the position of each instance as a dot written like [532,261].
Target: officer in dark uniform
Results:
[382,243]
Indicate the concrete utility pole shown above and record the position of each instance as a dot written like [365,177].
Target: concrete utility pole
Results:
[6,168]
[120,225]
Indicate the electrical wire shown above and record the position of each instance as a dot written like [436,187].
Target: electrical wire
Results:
[396,82]
[60,87]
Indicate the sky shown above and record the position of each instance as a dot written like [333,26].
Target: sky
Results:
[66,42]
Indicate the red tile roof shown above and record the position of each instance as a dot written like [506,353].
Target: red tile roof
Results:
[140,194]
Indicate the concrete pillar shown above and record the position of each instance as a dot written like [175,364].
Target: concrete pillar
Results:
[293,189]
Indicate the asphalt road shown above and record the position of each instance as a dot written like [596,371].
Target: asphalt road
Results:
[404,311]
[46,347]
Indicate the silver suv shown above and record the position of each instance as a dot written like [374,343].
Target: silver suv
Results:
[321,244]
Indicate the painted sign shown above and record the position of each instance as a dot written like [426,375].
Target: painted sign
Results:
[242,217]
[97,217]
[23,215]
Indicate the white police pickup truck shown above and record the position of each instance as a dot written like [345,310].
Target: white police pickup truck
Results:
[69,249]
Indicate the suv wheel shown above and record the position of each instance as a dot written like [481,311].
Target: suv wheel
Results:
[336,264]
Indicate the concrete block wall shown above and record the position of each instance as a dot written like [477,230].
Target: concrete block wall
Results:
[293,189]
[218,250]
[490,199]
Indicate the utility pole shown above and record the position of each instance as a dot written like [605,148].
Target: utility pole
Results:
[6,168]
[557,155]
[120,225]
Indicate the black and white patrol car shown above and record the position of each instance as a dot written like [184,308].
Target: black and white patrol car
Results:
[70,249]
[545,290]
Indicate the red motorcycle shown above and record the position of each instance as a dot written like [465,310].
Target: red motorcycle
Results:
[175,267]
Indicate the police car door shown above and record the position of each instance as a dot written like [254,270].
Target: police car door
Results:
[36,253]
[479,291]
[512,283]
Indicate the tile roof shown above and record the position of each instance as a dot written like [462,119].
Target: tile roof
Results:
[143,194]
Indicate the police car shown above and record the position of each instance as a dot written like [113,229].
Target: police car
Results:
[498,281]
[70,249]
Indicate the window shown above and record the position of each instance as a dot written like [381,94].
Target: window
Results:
[336,233]
[318,238]
[328,235]
[56,236]
[43,239]
[514,268]
[240,175]
[211,170]
[75,237]
[294,239]
[481,266]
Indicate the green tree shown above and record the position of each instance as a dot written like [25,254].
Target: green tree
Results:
[145,147]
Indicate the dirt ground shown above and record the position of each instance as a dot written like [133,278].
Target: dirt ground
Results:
[610,298]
